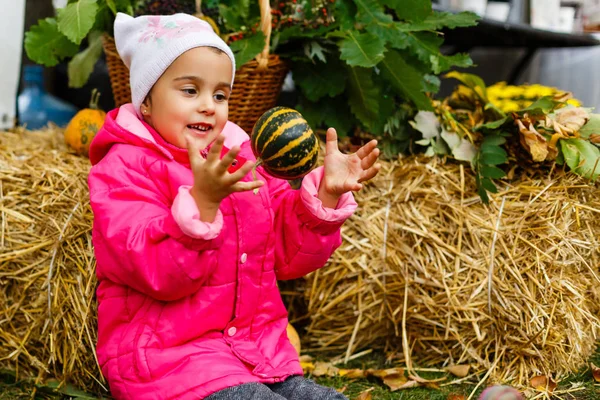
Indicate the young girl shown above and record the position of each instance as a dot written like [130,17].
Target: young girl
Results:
[188,256]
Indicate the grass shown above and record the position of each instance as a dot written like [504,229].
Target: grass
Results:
[10,389]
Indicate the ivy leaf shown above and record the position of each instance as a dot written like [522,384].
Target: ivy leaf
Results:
[439,20]
[371,11]
[414,10]
[591,127]
[76,19]
[82,65]
[405,79]
[362,49]
[246,49]
[582,157]
[45,45]
[319,80]
[363,95]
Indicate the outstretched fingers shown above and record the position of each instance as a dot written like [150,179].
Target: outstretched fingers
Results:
[370,173]
[366,149]
[331,142]
[193,148]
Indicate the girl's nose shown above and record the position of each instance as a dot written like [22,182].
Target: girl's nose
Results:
[206,104]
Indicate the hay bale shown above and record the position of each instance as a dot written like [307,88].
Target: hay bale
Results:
[47,268]
[415,266]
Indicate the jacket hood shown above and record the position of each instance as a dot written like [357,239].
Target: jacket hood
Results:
[122,126]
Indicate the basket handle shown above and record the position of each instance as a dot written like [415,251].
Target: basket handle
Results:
[265,26]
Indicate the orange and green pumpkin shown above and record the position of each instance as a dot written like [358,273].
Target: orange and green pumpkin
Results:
[83,127]
[284,144]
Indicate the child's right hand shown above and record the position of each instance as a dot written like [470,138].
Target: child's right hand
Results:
[212,181]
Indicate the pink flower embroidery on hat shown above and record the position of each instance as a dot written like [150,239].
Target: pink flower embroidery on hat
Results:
[171,29]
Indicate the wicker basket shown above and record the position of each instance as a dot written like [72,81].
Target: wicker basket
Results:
[257,83]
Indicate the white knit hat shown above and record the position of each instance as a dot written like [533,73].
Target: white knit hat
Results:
[148,44]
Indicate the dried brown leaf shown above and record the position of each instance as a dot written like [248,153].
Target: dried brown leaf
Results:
[595,372]
[352,373]
[382,373]
[459,370]
[595,138]
[393,385]
[324,368]
[364,395]
[533,142]
[456,397]
[543,383]
[572,118]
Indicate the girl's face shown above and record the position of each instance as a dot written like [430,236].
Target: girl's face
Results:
[192,96]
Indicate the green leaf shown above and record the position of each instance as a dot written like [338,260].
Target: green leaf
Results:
[439,20]
[591,127]
[492,172]
[363,95]
[426,47]
[313,49]
[345,11]
[82,65]
[319,80]
[582,157]
[390,34]
[76,19]
[492,141]
[412,10]
[328,112]
[297,32]
[540,107]
[471,81]
[489,185]
[493,125]
[372,11]
[45,45]
[431,83]
[246,49]
[405,79]
[493,156]
[113,7]
[232,18]
[362,49]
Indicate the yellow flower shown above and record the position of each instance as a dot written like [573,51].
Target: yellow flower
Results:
[574,102]
[510,106]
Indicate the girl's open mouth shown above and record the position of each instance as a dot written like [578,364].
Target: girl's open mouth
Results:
[200,127]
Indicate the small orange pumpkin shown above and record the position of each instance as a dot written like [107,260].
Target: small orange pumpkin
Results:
[293,337]
[83,127]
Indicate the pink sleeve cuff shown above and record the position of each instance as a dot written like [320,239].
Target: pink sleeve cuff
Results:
[186,215]
[308,193]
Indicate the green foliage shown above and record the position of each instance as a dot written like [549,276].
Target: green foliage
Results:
[245,50]
[52,40]
[391,52]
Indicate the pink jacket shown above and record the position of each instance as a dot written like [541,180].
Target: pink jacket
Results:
[187,308]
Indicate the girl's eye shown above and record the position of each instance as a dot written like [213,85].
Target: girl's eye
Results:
[220,97]
[189,91]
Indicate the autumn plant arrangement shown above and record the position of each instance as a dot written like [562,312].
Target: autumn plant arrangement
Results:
[467,126]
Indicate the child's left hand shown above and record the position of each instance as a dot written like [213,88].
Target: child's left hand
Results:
[345,172]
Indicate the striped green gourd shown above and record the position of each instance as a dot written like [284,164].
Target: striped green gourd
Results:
[284,144]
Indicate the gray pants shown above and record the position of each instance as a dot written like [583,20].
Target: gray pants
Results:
[293,388]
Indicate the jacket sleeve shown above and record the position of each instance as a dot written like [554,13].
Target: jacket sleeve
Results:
[142,241]
[306,233]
